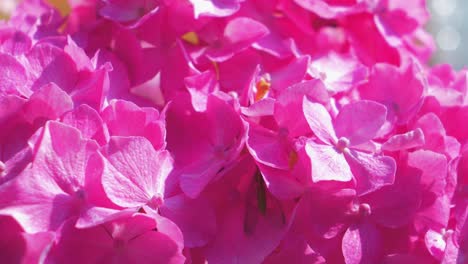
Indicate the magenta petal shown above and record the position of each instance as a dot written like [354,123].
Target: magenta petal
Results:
[394,24]
[248,246]
[52,191]
[264,107]
[195,177]
[294,249]
[92,87]
[370,46]
[319,121]
[434,169]
[14,77]
[15,42]
[48,63]
[395,205]
[95,216]
[30,198]
[20,247]
[135,166]
[134,239]
[88,121]
[412,139]
[329,9]
[194,217]
[289,103]
[244,31]
[340,73]
[327,163]
[162,242]
[268,148]
[385,86]
[371,171]
[362,244]
[281,184]
[199,86]
[360,121]
[290,74]
[124,118]
[63,155]
[48,102]
[239,34]
[125,11]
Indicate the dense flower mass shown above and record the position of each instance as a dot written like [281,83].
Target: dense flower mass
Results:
[230,131]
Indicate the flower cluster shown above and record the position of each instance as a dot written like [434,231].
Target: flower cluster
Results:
[230,131]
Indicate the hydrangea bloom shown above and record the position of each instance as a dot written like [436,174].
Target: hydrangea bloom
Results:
[229,131]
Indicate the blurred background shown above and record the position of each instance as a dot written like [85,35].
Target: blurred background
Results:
[448,25]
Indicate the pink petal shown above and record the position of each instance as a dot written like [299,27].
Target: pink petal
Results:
[244,29]
[360,121]
[14,77]
[91,87]
[385,86]
[338,72]
[329,10]
[434,169]
[239,34]
[135,166]
[48,102]
[36,202]
[281,184]
[319,121]
[78,54]
[63,155]
[195,218]
[20,247]
[371,171]
[15,42]
[124,11]
[247,246]
[289,103]
[268,148]
[327,163]
[371,47]
[89,122]
[395,23]
[48,63]
[124,118]
[362,244]
[412,139]
[395,205]
[263,107]
[292,73]
[195,177]
[53,189]
[131,239]
[294,249]
[199,86]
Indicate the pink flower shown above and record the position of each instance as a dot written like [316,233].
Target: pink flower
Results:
[21,247]
[385,84]
[133,164]
[338,156]
[60,185]
[136,239]
[215,143]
